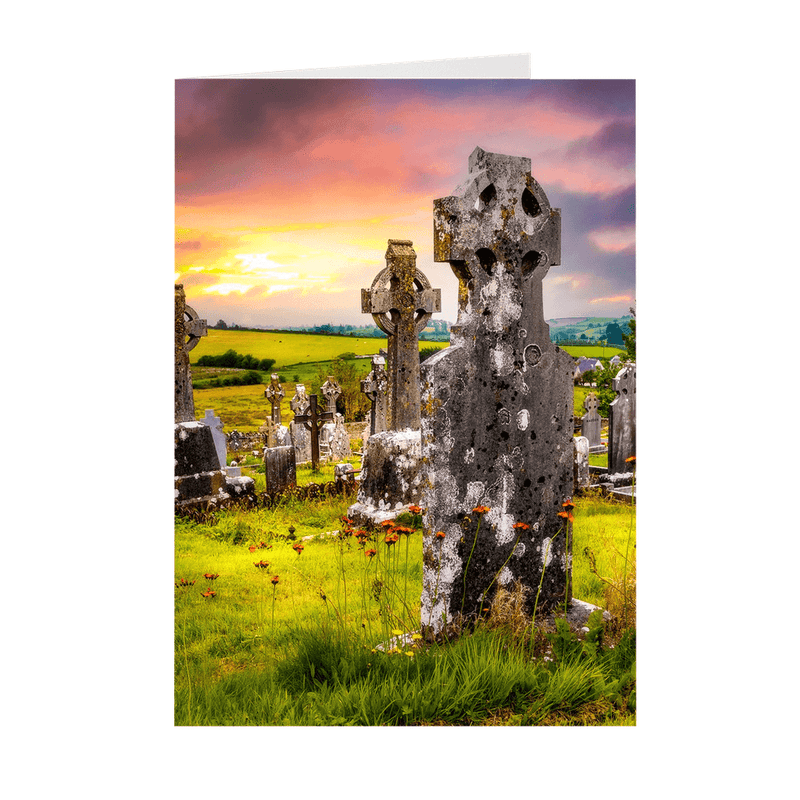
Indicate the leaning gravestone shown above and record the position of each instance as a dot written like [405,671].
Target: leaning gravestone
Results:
[214,423]
[591,422]
[622,421]
[497,422]
[401,302]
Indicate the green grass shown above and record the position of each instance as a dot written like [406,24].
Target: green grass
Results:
[302,653]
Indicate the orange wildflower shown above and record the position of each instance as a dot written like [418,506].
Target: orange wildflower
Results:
[210,576]
[415,509]
[261,564]
[391,539]
[630,458]
[387,523]
[298,548]
[439,534]
[567,516]
[209,593]
[569,505]
[275,580]
[481,510]
[370,553]
[521,525]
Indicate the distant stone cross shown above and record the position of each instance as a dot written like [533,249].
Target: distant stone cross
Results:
[275,393]
[299,403]
[314,419]
[331,391]
[622,421]
[188,330]
[590,423]
[401,302]
[374,386]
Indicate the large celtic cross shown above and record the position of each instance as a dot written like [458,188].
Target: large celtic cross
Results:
[401,302]
[501,237]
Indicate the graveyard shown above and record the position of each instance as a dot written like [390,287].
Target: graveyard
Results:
[394,541]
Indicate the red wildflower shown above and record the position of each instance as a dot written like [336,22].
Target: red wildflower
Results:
[346,520]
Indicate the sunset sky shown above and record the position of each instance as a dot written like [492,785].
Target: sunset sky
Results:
[288,190]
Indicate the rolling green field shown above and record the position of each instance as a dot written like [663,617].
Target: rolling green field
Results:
[289,348]
[593,351]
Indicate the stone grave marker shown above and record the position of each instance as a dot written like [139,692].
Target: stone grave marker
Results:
[280,468]
[401,302]
[313,419]
[220,442]
[334,440]
[375,387]
[591,421]
[188,330]
[275,393]
[497,424]
[622,421]
[581,474]
[300,435]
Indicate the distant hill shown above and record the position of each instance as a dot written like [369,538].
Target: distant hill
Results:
[589,329]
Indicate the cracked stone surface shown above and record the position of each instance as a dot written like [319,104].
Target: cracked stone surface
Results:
[497,411]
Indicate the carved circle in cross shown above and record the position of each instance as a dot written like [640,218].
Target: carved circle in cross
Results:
[406,299]
[190,316]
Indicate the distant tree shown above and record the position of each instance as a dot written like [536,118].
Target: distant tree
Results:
[614,333]
[221,325]
[583,336]
[630,338]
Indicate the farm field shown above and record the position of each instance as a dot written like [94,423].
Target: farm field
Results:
[288,349]
[593,351]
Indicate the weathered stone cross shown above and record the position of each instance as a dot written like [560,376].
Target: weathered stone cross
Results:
[401,302]
[313,419]
[331,391]
[501,230]
[374,387]
[188,330]
[275,393]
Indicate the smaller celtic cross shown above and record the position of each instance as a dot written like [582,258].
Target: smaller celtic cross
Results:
[374,386]
[313,419]
[275,393]
[331,391]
